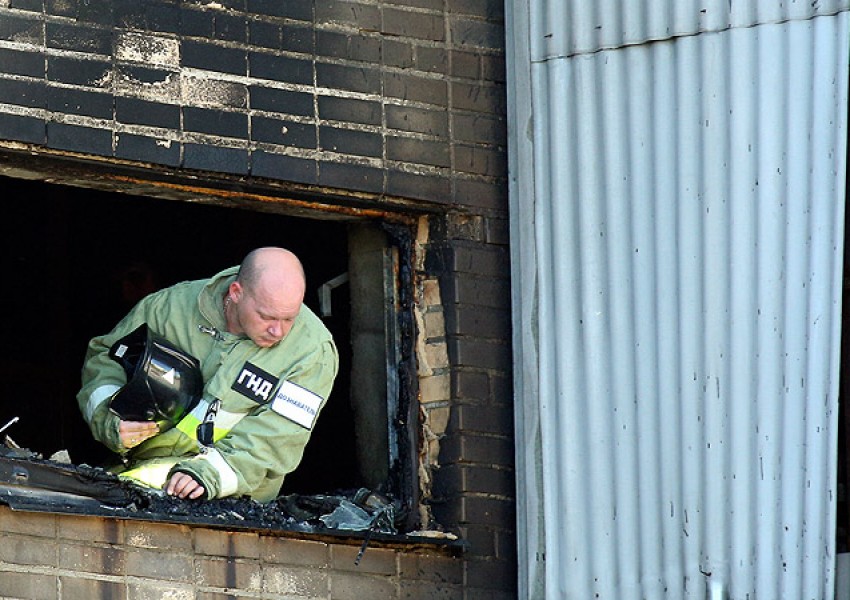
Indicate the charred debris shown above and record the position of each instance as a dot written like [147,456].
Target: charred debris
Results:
[30,482]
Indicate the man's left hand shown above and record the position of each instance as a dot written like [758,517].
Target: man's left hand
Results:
[184,485]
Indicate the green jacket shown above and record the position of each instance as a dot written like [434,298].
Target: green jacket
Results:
[260,432]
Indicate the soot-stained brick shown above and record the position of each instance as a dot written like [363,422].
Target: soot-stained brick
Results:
[214,158]
[481,128]
[465,65]
[348,141]
[485,9]
[263,34]
[147,149]
[30,5]
[482,417]
[358,16]
[418,120]
[90,73]
[472,448]
[75,138]
[162,16]
[418,89]
[18,62]
[281,101]
[60,8]
[433,60]
[291,9]
[397,54]
[23,93]
[493,68]
[482,194]
[129,14]
[142,112]
[98,12]
[478,321]
[351,177]
[284,133]
[347,77]
[284,168]
[79,38]
[230,28]
[297,38]
[483,354]
[216,122]
[23,128]
[212,57]
[280,68]
[481,98]
[22,30]
[414,24]
[482,161]
[197,22]
[351,110]
[432,188]
[356,47]
[80,102]
[477,33]
[429,4]
[424,152]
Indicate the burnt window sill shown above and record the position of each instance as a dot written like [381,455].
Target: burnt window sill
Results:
[36,485]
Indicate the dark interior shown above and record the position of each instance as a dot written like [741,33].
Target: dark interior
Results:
[75,260]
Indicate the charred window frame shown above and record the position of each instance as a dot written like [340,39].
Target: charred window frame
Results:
[379,271]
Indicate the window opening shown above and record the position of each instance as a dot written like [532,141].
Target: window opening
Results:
[77,259]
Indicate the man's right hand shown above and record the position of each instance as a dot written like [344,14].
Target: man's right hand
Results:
[133,433]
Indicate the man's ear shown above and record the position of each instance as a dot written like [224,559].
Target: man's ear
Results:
[236,290]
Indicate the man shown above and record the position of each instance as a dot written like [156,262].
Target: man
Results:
[265,357]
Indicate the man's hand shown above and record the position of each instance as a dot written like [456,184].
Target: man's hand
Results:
[133,433]
[183,485]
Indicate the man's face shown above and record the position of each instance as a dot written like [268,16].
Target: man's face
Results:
[266,317]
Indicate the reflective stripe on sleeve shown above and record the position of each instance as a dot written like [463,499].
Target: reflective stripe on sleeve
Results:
[98,397]
[224,421]
[226,474]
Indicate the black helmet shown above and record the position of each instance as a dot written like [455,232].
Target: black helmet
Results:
[163,382]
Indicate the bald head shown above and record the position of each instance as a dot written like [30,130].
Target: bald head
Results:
[267,295]
[279,266]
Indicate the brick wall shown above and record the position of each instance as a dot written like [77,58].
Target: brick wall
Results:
[391,104]
[66,557]
[404,99]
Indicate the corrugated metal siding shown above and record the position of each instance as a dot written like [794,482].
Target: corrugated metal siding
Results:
[677,230]
[568,27]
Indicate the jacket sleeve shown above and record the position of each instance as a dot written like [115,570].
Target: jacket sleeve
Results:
[102,377]
[264,446]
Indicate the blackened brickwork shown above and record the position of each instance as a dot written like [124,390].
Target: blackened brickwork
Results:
[411,91]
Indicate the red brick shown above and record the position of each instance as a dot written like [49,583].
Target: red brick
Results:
[28,585]
[379,561]
[437,569]
[91,529]
[159,565]
[349,586]
[24,550]
[227,543]
[295,581]
[78,587]
[36,524]
[294,552]
[228,573]
[104,560]
[158,535]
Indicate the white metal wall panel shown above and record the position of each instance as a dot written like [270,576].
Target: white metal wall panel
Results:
[677,230]
[568,27]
